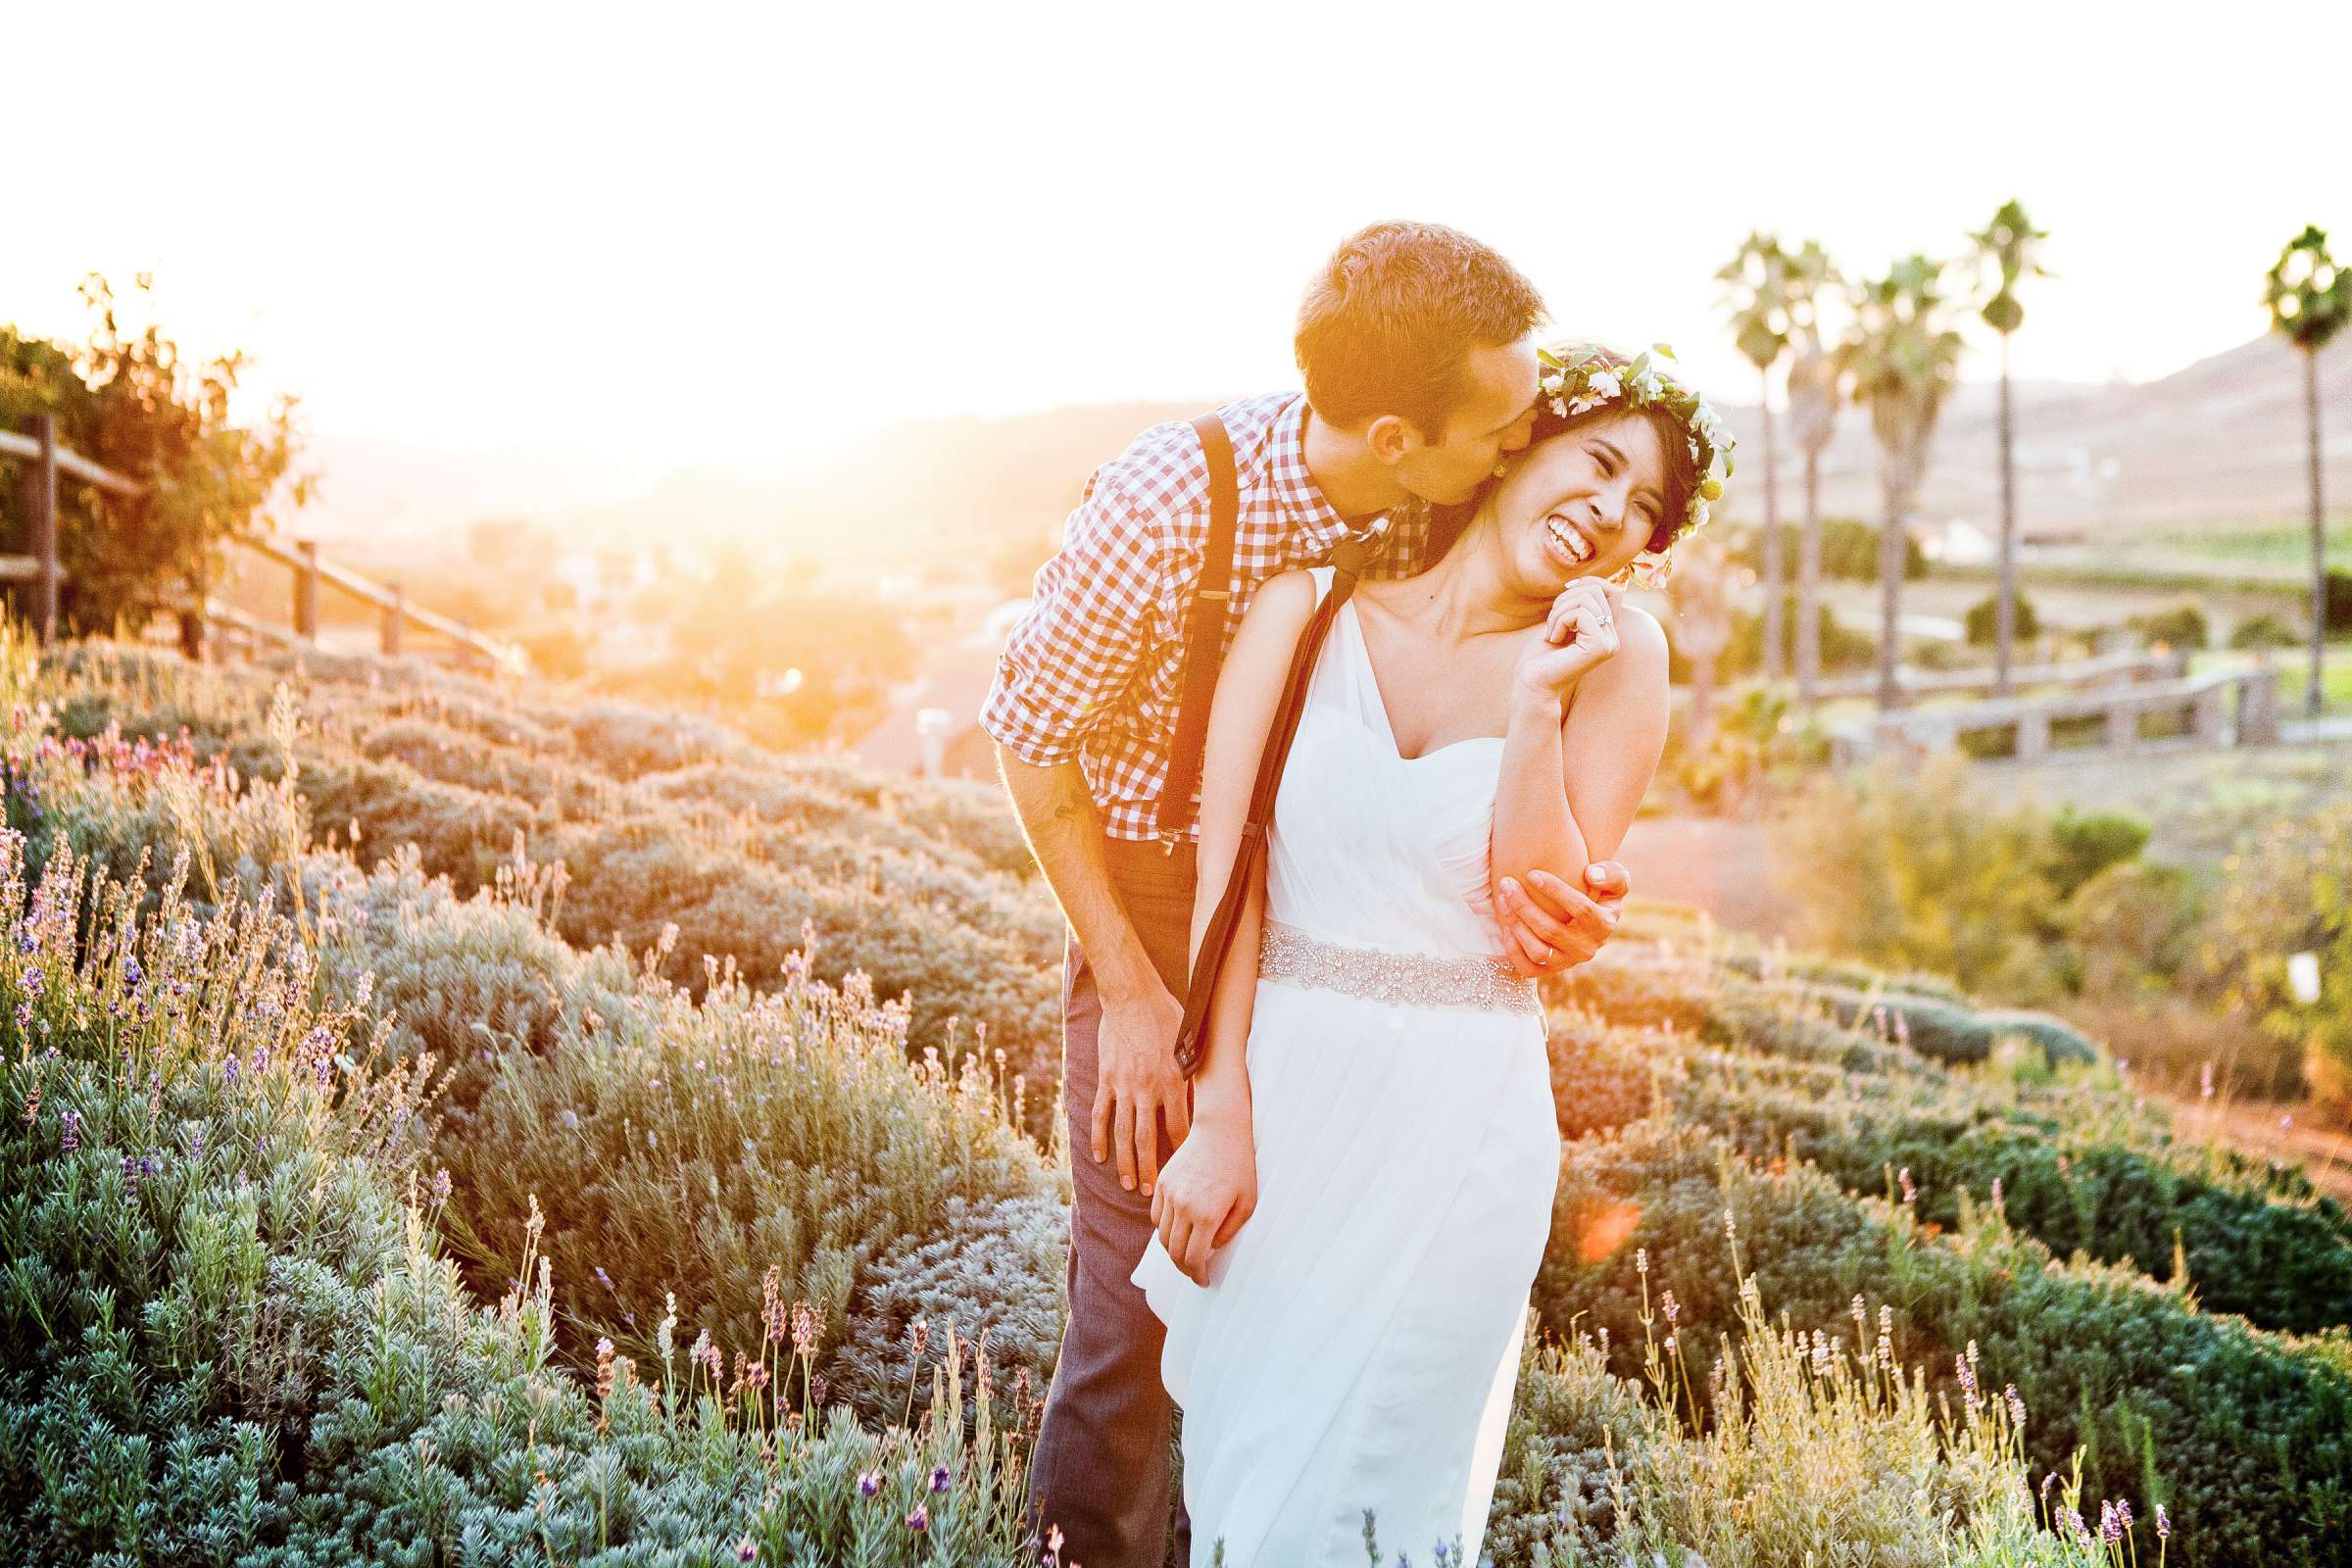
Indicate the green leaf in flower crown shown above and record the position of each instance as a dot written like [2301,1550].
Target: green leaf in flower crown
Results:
[1666,349]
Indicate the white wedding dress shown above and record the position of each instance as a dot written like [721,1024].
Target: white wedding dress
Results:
[1358,1343]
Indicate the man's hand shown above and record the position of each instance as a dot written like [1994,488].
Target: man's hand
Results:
[1136,1078]
[1550,926]
[1209,1190]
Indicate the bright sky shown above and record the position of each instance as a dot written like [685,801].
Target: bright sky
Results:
[689,231]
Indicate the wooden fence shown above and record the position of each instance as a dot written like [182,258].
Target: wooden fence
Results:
[2230,708]
[48,462]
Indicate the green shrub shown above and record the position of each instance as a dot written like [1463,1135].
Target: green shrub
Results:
[996,1270]
[2183,628]
[1982,620]
[1944,1033]
[2084,843]
[693,1147]
[2266,630]
[2135,926]
[227,1340]
[1604,1076]
[2291,892]
[2245,1436]
[1814,1450]
[2283,1259]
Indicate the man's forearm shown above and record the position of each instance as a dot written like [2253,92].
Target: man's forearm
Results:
[1066,834]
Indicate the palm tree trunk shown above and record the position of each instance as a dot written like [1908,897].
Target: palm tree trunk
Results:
[1809,586]
[1774,633]
[1890,596]
[2004,641]
[2318,538]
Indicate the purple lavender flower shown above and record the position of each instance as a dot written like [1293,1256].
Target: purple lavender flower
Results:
[2164,1524]
[131,1172]
[747,1551]
[69,1130]
[941,1480]
[869,1483]
[919,1520]
[132,973]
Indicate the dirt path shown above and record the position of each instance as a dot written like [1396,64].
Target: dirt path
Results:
[2290,1134]
[1723,868]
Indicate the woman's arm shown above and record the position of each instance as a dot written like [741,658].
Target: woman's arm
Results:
[1210,1185]
[1602,701]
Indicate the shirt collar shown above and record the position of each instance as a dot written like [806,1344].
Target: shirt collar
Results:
[1296,493]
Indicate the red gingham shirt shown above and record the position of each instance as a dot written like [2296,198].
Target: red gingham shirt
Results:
[1094,670]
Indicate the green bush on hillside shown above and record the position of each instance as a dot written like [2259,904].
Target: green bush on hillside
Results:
[2264,630]
[1982,620]
[2246,1436]
[2290,893]
[2183,628]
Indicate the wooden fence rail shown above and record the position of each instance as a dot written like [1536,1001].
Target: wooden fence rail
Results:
[2228,708]
[48,461]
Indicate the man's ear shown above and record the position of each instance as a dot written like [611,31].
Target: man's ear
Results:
[1389,437]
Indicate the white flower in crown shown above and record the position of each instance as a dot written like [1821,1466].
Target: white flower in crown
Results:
[1604,386]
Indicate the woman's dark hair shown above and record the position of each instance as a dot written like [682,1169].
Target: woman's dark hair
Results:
[1682,476]
[1389,322]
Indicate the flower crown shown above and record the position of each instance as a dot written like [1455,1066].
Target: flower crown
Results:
[1577,379]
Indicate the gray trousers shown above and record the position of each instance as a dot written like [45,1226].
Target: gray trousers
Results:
[1100,1469]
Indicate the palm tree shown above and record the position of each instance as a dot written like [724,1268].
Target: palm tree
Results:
[2008,244]
[1760,324]
[1813,419]
[1901,358]
[2309,301]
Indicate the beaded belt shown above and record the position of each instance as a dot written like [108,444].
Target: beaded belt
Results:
[1399,979]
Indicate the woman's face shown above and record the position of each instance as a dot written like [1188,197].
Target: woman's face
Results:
[1582,503]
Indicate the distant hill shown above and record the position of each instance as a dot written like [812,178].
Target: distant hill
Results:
[2220,442]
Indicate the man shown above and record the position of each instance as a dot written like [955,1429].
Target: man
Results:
[1416,346]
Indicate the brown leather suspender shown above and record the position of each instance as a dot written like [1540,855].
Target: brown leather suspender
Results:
[1348,559]
[1204,629]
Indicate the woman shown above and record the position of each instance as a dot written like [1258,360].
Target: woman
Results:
[1348,1235]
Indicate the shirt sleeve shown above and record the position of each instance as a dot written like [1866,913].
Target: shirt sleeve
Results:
[1070,658]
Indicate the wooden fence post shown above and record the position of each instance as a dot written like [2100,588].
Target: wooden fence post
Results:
[395,613]
[305,590]
[41,494]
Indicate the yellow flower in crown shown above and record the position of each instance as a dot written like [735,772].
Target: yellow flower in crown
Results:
[1576,379]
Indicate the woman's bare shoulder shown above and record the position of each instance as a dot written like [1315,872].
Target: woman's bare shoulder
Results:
[1282,603]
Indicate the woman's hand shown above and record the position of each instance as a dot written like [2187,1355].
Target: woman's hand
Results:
[1579,634]
[1207,1189]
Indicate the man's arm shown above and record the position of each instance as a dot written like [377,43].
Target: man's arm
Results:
[1067,663]
[1065,835]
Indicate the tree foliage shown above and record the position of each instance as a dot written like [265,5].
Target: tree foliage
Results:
[130,400]
[2308,294]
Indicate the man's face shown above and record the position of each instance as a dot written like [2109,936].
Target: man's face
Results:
[1491,416]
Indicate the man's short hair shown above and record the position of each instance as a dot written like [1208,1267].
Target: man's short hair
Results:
[1389,320]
